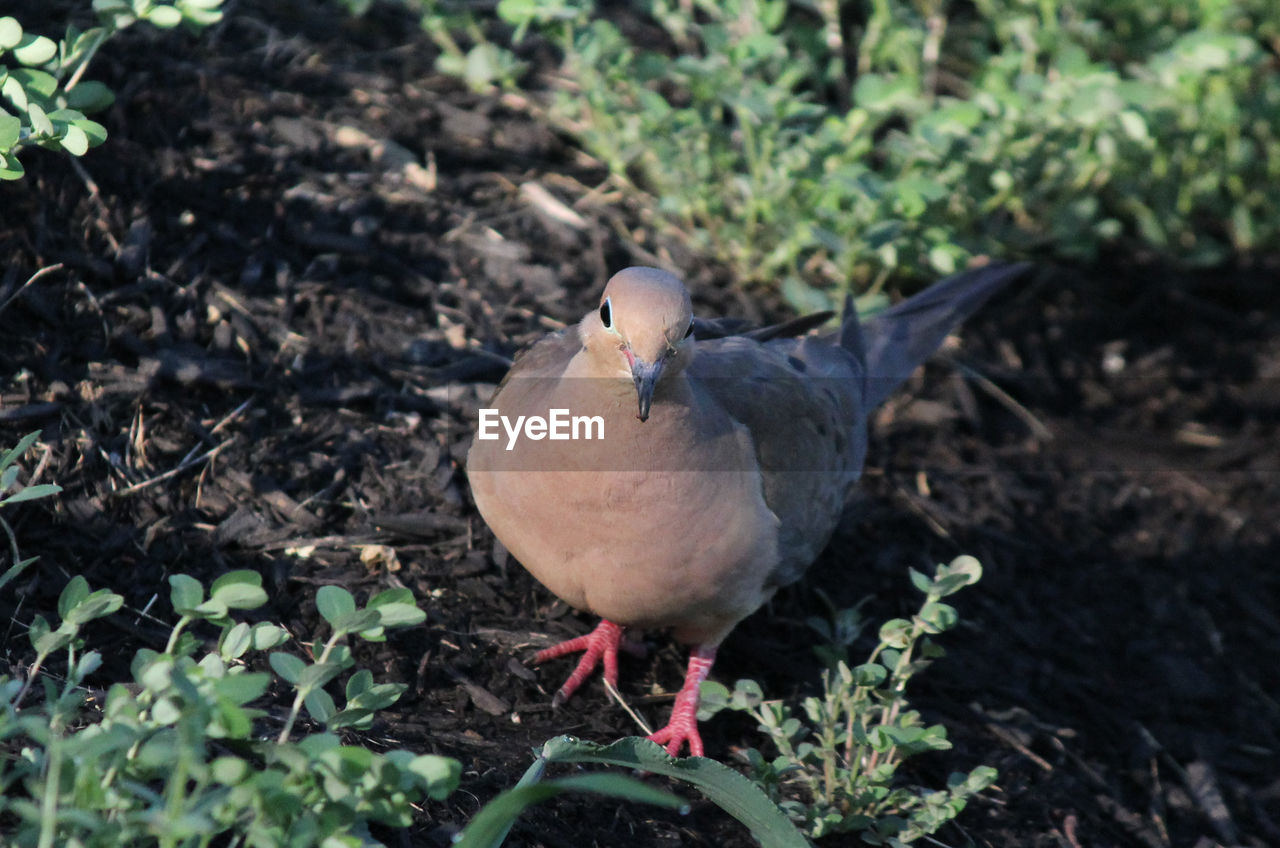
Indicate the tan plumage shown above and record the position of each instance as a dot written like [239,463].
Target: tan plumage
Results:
[723,467]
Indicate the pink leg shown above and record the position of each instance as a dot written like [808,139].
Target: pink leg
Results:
[683,726]
[600,644]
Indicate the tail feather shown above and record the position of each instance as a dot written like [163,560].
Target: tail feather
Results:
[895,342]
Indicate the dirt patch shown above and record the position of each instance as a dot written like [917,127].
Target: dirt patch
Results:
[269,334]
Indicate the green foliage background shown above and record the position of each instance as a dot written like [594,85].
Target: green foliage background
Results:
[825,145]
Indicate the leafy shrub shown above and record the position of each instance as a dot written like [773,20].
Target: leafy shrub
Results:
[837,766]
[172,758]
[10,494]
[808,148]
[44,98]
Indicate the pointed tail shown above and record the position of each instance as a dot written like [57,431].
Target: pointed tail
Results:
[895,342]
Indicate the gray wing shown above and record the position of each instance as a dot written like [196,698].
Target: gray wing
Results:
[801,401]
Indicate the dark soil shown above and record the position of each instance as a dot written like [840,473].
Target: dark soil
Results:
[264,341]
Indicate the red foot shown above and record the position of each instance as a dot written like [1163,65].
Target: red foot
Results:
[600,644]
[683,726]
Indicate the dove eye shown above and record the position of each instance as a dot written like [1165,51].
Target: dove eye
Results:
[606,314]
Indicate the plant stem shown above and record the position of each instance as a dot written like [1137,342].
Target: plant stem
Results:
[301,695]
[173,635]
[31,676]
[104,33]
[52,780]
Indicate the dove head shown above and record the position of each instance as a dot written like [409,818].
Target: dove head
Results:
[640,330]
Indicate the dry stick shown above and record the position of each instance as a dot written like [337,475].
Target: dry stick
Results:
[37,275]
[93,300]
[40,466]
[1035,425]
[190,459]
[617,696]
[1012,741]
[95,195]
[178,469]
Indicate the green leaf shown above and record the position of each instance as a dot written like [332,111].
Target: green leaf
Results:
[320,705]
[210,609]
[35,49]
[980,778]
[361,681]
[13,89]
[40,123]
[288,666]
[317,675]
[877,93]
[356,620]
[74,140]
[938,616]
[333,602]
[713,697]
[230,771]
[440,774]
[267,636]
[15,453]
[944,258]
[100,603]
[377,697]
[88,664]
[728,789]
[185,593]
[96,132]
[747,695]
[869,674]
[10,33]
[963,571]
[76,590]
[240,689]
[41,84]
[30,493]
[489,827]
[239,590]
[90,96]
[235,641]
[50,642]
[10,167]
[341,655]
[165,17]
[13,571]
[39,628]
[896,633]
[398,608]
[10,129]
[360,719]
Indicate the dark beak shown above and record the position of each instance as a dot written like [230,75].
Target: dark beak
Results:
[646,377]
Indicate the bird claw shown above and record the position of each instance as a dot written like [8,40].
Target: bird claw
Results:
[600,645]
[681,729]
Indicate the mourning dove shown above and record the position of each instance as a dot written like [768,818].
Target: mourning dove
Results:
[662,472]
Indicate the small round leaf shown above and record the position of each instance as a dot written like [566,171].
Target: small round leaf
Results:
[35,50]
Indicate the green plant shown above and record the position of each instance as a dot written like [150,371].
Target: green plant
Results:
[9,495]
[172,758]
[44,98]
[843,755]
[825,145]
[724,786]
